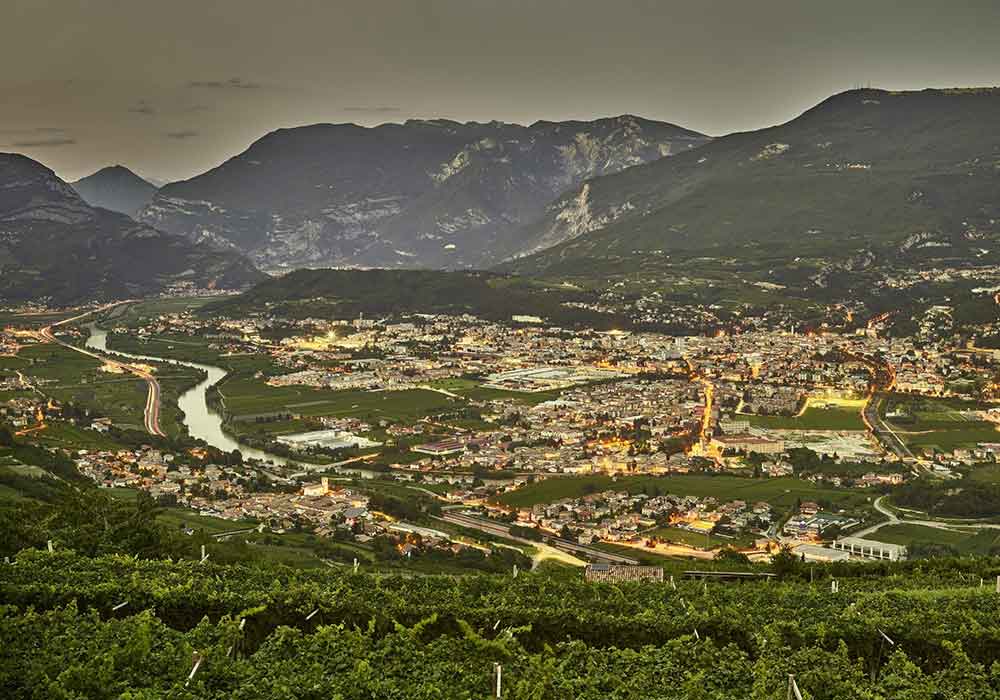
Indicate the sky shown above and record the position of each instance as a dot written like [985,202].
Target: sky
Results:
[171,89]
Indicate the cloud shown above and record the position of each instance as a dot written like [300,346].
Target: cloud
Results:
[231,84]
[35,130]
[41,143]
[142,107]
[385,109]
[181,135]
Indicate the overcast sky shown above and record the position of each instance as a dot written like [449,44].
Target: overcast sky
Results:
[173,88]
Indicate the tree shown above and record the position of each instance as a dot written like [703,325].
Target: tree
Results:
[6,436]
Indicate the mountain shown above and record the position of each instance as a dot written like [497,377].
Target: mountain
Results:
[116,188]
[348,293]
[54,246]
[865,176]
[420,194]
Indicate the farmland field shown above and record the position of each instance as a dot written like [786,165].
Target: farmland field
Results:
[841,415]
[780,493]
[249,397]
[965,541]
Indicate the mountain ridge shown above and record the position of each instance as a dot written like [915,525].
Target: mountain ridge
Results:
[419,194]
[56,247]
[861,168]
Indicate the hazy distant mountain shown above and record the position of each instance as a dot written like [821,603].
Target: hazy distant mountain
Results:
[53,245]
[116,188]
[421,194]
[866,173]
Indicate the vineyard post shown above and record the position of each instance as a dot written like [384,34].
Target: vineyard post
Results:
[515,571]
[119,606]
[204,555]
[232,647]
[793,688]
[196,658]
[310,615]
[50,546]
[355,565]
[998,583]
[674,585]
[497,674]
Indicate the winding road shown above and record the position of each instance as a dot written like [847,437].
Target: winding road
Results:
[151,412]
[955,526]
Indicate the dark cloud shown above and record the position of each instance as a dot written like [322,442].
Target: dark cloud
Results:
[231,84]
[373,110]
[181,135]
[40,143]
[142,107]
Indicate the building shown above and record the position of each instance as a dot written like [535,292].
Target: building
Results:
[871,549]
[619,573]
[749,443]
[441,448]
[814,552]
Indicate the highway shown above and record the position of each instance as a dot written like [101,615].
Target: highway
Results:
[882,432]
[151,412]
[883,379]
[564,545]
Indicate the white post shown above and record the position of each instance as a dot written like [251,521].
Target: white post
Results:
[355,565]
[310,615]
[674,585]
[50,546]
[196,657]
[497,678]
[793,688]
[204,555]
[696,635]
[515,570]
[119,606]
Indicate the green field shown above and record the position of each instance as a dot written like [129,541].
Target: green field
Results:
[989,474]
[192,349]
[474,391]
[780,493]
[68,376]
[139,314]
[693,539]
[813,418]
[250,397]
[72,437]
[934,423]
[966,541]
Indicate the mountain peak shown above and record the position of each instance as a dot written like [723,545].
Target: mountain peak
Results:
[58,248]
[117,188]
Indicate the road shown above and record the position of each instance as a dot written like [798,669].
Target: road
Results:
[881,430]
[883,379]
[554,542]
[937,524]
[151,412]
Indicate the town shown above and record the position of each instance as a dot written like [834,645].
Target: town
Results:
[630,443]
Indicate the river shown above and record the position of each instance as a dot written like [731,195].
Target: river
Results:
[201,420]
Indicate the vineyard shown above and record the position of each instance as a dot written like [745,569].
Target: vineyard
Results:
[120,627]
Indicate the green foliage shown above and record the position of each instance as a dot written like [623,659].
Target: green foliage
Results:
[438,637]
[975,499]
